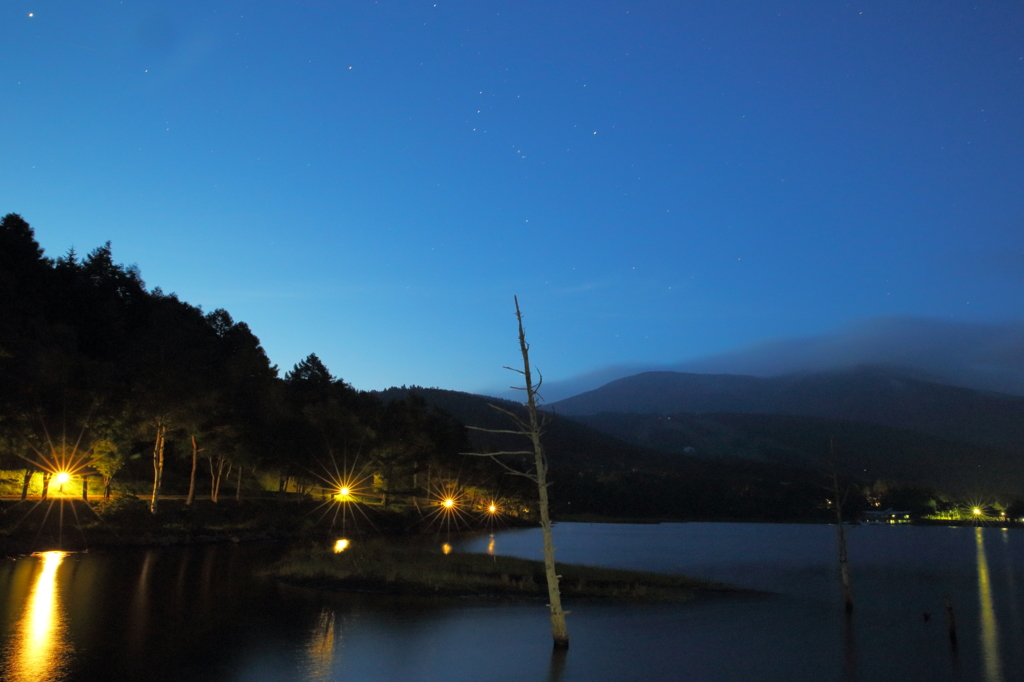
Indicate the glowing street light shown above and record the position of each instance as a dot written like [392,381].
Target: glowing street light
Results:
[977,511]
[450,506]
[346,493]
[63,477]
[341,545]
[493,509]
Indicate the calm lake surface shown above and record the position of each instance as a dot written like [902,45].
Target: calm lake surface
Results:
[199,613]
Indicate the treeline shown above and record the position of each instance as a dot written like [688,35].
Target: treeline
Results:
[101,375]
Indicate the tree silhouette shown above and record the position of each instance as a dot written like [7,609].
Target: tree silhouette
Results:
[533,428]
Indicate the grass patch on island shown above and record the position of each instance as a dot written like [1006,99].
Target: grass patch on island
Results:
[380,567]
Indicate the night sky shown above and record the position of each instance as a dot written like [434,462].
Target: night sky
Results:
[658,181]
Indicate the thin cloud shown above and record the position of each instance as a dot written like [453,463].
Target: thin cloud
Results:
[987,357]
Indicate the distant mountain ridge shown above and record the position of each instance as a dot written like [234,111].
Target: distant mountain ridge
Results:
[865,394]
[642,464]
[980,356]
[593,472]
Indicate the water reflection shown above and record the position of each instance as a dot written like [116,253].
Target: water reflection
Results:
[140,606]
[1011,581]
[320,649]
[989,627]
[556,668]
[490,545]
[849,673]
[38,649]
[201,614]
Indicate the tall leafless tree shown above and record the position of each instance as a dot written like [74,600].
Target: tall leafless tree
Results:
[533,428]
[838,497]
[158,463]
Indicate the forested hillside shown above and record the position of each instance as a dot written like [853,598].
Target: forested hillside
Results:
[154,395]
[151,395]
[596,473]
[865,451]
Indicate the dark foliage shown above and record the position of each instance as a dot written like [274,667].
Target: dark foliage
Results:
[93,362]
[865,451]
[594,473]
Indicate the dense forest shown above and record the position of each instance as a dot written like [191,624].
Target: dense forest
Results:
[150,397]
[148,394]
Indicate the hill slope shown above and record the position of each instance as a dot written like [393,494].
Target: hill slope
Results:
[596,473]
[866,394]
[867,451]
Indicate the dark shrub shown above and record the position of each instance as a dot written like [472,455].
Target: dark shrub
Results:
[122,509]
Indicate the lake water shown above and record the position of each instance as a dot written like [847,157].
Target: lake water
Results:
[199,613]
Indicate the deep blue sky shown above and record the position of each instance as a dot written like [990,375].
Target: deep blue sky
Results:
[657,181]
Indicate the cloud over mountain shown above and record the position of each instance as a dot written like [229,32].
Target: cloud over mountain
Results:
[980,356]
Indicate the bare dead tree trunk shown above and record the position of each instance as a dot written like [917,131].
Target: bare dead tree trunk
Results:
[532,428]
[25,482]
[213,481]
[558,627]
[385,491]
[837,503]
[951,624]
[415,490]
[158,463]
[192,478]
[216,476]
[844,569]
[227,475]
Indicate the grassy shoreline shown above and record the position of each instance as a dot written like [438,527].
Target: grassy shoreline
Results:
[386,568]
[125,521]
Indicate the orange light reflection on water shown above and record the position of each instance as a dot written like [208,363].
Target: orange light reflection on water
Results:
[989,634]
[320,649]
[39,646]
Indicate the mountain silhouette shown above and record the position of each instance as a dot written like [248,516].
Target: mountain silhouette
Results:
[872,395]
